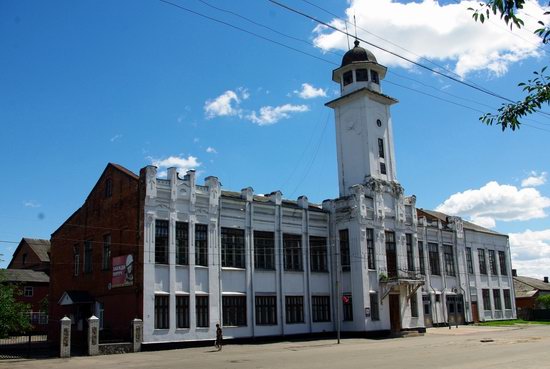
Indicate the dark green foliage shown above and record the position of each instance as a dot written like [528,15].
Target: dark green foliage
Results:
[13,314]
[544,300]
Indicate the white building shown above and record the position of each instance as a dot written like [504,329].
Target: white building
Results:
[366,262]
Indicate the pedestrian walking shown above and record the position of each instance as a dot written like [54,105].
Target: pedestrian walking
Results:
[219,337]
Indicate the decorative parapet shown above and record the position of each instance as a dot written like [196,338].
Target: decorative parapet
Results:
[151,181]
[247,194]
[276,197]
[303,202]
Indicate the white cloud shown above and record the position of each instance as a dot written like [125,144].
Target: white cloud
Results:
[211,150]
[534,179]
[227,104]
[181,163]
[31,204]
[493,202]
[115,137]
[531,252]
[439,32]
[310,92]
[273,114]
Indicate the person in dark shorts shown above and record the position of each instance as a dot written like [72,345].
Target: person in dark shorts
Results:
[219,337]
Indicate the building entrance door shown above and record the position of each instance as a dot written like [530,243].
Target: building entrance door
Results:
[395,315]
[428,321]
[455,309]
[475,312]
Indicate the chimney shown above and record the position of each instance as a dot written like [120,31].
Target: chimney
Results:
[545,279]
[514,272]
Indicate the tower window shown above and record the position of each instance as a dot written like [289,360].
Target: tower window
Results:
[379,123]
[374,76]
[348,78]
[382,168]
[361,75]
[380,148]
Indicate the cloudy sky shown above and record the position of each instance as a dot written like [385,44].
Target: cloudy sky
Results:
[237,90]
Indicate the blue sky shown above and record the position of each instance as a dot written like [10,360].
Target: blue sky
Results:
[140,82]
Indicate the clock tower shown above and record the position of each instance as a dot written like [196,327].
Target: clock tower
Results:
[364,137]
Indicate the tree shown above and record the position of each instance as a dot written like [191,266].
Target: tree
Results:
[13,314]
[537,90]
[544,300]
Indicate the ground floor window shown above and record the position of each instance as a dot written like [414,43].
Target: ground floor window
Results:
[201,310]
[320,308]
[234,310]
[507,299]
[414,306]
[496,298]
[347,308]
[162,305]
[266,310]
[374,309]
[486,300]
[294,308]
[182,311]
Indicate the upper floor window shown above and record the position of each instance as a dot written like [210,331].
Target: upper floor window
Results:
[361,75]
[374,76]
[264,250]
[318,254]
[493,262]
[410,252]
[161,241]
[201,244]
[421,257]
[344,250]
[88,256]
[76,259]
[433,250]
[106,256]
[383,168]
[449,260]
[502,262]
[482,261]
[348,77]
[381,148]
[28,291]
[469,260]
[233,247]
[182,243]
[371,254]
[292,245]
[108,187]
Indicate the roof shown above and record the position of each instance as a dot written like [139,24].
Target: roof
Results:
[23,275]
[40,247]
[266,200]
[357,54]
[527,286]
[467,225]
[75,297]
[388,98]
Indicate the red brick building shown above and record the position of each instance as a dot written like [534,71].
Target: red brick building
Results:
[32,254]
[105,230]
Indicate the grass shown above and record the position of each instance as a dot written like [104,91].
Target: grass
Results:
[502,323]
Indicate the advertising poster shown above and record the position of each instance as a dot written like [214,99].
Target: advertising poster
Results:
[123,271]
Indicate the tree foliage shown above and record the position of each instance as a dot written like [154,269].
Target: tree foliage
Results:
[13,314]
[537,90]
[544,300]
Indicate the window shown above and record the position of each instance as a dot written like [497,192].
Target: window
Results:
[492,262]
[371,255]
[434,258]
[421,257]
[374,309]
[348,78]
[391,254]
[28,291]
[318,253]
[482,262]
[374,76]
[414,306]
[496,299]
[88,256]
[507,299]
[320,308]
[182,243]
[383,168]
[234,311]
[264,250]
[108,187]
[233,248]
[410,252]
[502,262]
[201,310]
[292,245]
[486,300]
[101,314]
[361,75]
[347,308]
[469,263]
[182,311]
[266,310]
[161,312]
[344,250]
[201,245]
[76,260]
[24,259]
[380,148]
[427,305]
[449,260]
[106,257]
[294,309]
[161,241]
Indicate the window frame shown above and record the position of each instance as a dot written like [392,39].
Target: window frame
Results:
[162,312]
[410,252]
[493,262]
[448,257]
[433,255]
[88,257]
[496,299]
[482,261]
[266,309]
[201,244]
[347,78]
[233,248]
[182,243]
[106,255]
[347,308]
[469,260]
[360,73]
[422,262]
[202,311]
[344,250]
[294,309]
[502,263]
[320,308]
[371,251]
[264,250]
[182,312]
[234,310]
[318,254]
[292,250]
[374,306]
[28,291]
[162,237]
[486,297]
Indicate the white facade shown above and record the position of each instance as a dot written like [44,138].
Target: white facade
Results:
[359,263]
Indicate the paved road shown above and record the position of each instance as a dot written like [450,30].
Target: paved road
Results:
[511,347]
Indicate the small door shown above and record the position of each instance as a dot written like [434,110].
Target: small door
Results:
[455,310]
[475,312]
[395,315]
[428,321]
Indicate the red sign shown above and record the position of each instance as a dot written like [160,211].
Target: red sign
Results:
[123,271]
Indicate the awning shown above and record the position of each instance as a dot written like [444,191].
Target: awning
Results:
[75,298]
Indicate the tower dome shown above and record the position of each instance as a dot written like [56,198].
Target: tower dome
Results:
[357,54]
